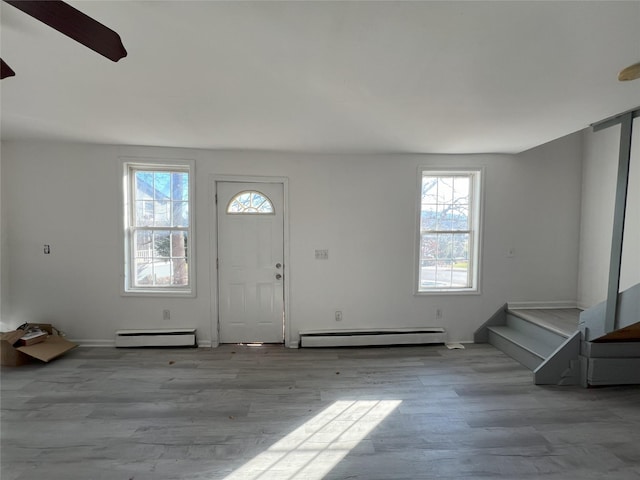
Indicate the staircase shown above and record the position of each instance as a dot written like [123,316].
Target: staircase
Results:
[612,358]
[547,341]
[569,346]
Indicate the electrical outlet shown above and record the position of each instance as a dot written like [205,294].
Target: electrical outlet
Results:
[166,314]
[338,315]
[438,314]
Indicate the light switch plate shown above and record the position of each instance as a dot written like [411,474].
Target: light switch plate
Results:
[322,254]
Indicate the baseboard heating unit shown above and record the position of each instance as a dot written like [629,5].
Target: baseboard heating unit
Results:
[159,337]
[364,337]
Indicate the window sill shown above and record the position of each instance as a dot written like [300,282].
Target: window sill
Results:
[466,291]
[158,293]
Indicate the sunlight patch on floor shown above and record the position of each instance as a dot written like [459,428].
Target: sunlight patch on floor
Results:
[313,449]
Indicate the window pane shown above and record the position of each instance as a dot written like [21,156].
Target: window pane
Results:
[429,246]
[161,258]
[143,242]
[257,199]
[162,272]
[179,244]
[441,217]
[461,247]
[265,207]
[445,190]
[144,185]
[445,246]
[180,186]
[180,271]
[460,218]
[144,272]
[244,199]
[162,185]
[144,214]
[180,214]
[161,244]
[429,217]
[460,264]
[429,190]
[251,203]
[162,214]
[446,217]
[428,260]
[461,190]
[443,276]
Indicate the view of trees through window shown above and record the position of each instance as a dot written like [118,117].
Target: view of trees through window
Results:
[250,202]
[160,228]
[445,231]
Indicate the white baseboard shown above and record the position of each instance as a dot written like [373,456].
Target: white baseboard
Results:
[93,343]
[544,305]
[112,343]
[374,337]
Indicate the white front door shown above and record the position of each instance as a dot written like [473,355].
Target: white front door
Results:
[250,262]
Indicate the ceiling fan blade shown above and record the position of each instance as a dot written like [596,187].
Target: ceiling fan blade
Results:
[5,70]
[75,24]
[632,72]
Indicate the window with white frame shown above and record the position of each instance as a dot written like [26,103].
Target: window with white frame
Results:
[158,228]
[449,231]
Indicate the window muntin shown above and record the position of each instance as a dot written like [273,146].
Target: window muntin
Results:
[449,231]
[158,229]
[250,202]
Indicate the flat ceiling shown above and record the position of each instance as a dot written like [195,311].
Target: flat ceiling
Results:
[369,77]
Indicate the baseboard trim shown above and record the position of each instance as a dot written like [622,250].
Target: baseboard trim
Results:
[93,343]
[112,343]
[544,305]
[374,337]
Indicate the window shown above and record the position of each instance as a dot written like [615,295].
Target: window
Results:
[449,237]
[250,202]
[158,232]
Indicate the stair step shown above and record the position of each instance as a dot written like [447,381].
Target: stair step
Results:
[528,350]
[563,321]
[536,332]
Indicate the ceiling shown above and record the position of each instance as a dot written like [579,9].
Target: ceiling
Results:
[331,77]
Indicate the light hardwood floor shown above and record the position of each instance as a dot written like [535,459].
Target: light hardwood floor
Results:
[237,412]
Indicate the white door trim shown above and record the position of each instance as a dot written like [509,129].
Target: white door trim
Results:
[213,249]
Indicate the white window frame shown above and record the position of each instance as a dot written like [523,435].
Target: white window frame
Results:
[477,175]
[128,166]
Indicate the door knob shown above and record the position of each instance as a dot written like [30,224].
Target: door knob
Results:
[278,276]
[278,265]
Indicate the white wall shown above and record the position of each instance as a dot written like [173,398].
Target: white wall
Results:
[3,271]
[600,169]
[361,208]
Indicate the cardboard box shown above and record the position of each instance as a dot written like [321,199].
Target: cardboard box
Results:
[53,346]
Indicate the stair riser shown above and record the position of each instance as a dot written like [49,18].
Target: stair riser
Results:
[525,357]
[613,371]
[535,331]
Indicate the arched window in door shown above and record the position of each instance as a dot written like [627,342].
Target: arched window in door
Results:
[250,202]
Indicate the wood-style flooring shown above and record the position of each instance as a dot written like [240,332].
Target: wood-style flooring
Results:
[238,412]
